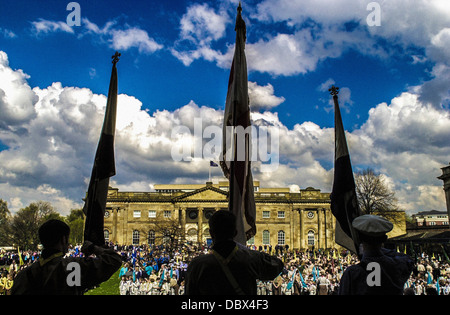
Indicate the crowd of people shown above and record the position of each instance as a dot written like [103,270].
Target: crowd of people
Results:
[159,270]
[308,272]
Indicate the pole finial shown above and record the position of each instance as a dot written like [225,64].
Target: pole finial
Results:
[334,90]
[240,24]
[115,57]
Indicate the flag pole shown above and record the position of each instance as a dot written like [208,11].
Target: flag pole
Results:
[344,203]
[233,162]
[237,114]
[234,143]
[103,168]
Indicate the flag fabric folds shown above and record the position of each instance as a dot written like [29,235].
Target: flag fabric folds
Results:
[291,281]
[20,257]
[429,278]
[303,281]
[236,149]
[213,164]
[344,204]
[103,169]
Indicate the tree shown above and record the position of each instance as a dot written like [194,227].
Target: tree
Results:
[5,218]
[75,220]
[169,232]
[25,223]
[374,195]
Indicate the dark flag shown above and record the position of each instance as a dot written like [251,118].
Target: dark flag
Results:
[236,149]
[344,204]
[213,164]
[103,169]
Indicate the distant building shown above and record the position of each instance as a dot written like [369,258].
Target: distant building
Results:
[430,231]
[431,218]
[445,177]
[300,220]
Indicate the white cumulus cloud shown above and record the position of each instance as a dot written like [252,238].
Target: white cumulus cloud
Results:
[51,145]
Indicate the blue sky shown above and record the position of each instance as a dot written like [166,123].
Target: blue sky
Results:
[175,64]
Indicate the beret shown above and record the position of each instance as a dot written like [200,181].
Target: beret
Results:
[372,225]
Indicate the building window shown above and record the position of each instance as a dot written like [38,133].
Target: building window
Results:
[281,238]
[266,214]
[106,234]
[152,213]
[311,238]
[208,214]
[251,241]
[151,237]
[136,213]
[135,237]
[167,213]
[266,237]
[193,214]
[280,214]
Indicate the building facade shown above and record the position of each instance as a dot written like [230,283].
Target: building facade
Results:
[445,177]
[298,219]
[431,218]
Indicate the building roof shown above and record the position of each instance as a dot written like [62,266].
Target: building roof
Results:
[424,235]
[192,193]
[190,187]
[431,212]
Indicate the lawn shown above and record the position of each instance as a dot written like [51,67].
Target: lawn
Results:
[109,287]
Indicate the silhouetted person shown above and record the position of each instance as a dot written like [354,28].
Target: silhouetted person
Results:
[231,268]
[53,274]
[381,271]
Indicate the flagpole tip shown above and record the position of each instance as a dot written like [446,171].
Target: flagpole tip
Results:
[115,57]
[239,21]
[334,90]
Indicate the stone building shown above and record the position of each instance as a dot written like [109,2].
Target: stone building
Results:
[445,177]
[299,219]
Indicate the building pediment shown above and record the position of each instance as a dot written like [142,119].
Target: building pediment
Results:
[206,193]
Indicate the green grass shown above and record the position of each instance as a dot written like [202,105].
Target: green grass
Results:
[109,287]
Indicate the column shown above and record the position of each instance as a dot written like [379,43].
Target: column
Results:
[325,231]
[302,233]
[114,224]
[292,228]
[183,222]
[200,225]
[319,229]
[333,229]
[125,233]
[445,177]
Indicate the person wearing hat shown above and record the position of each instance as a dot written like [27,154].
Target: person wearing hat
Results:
[54,274]
[381,271]
[231,268]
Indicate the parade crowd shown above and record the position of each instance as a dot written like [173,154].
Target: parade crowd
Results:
[159,270]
